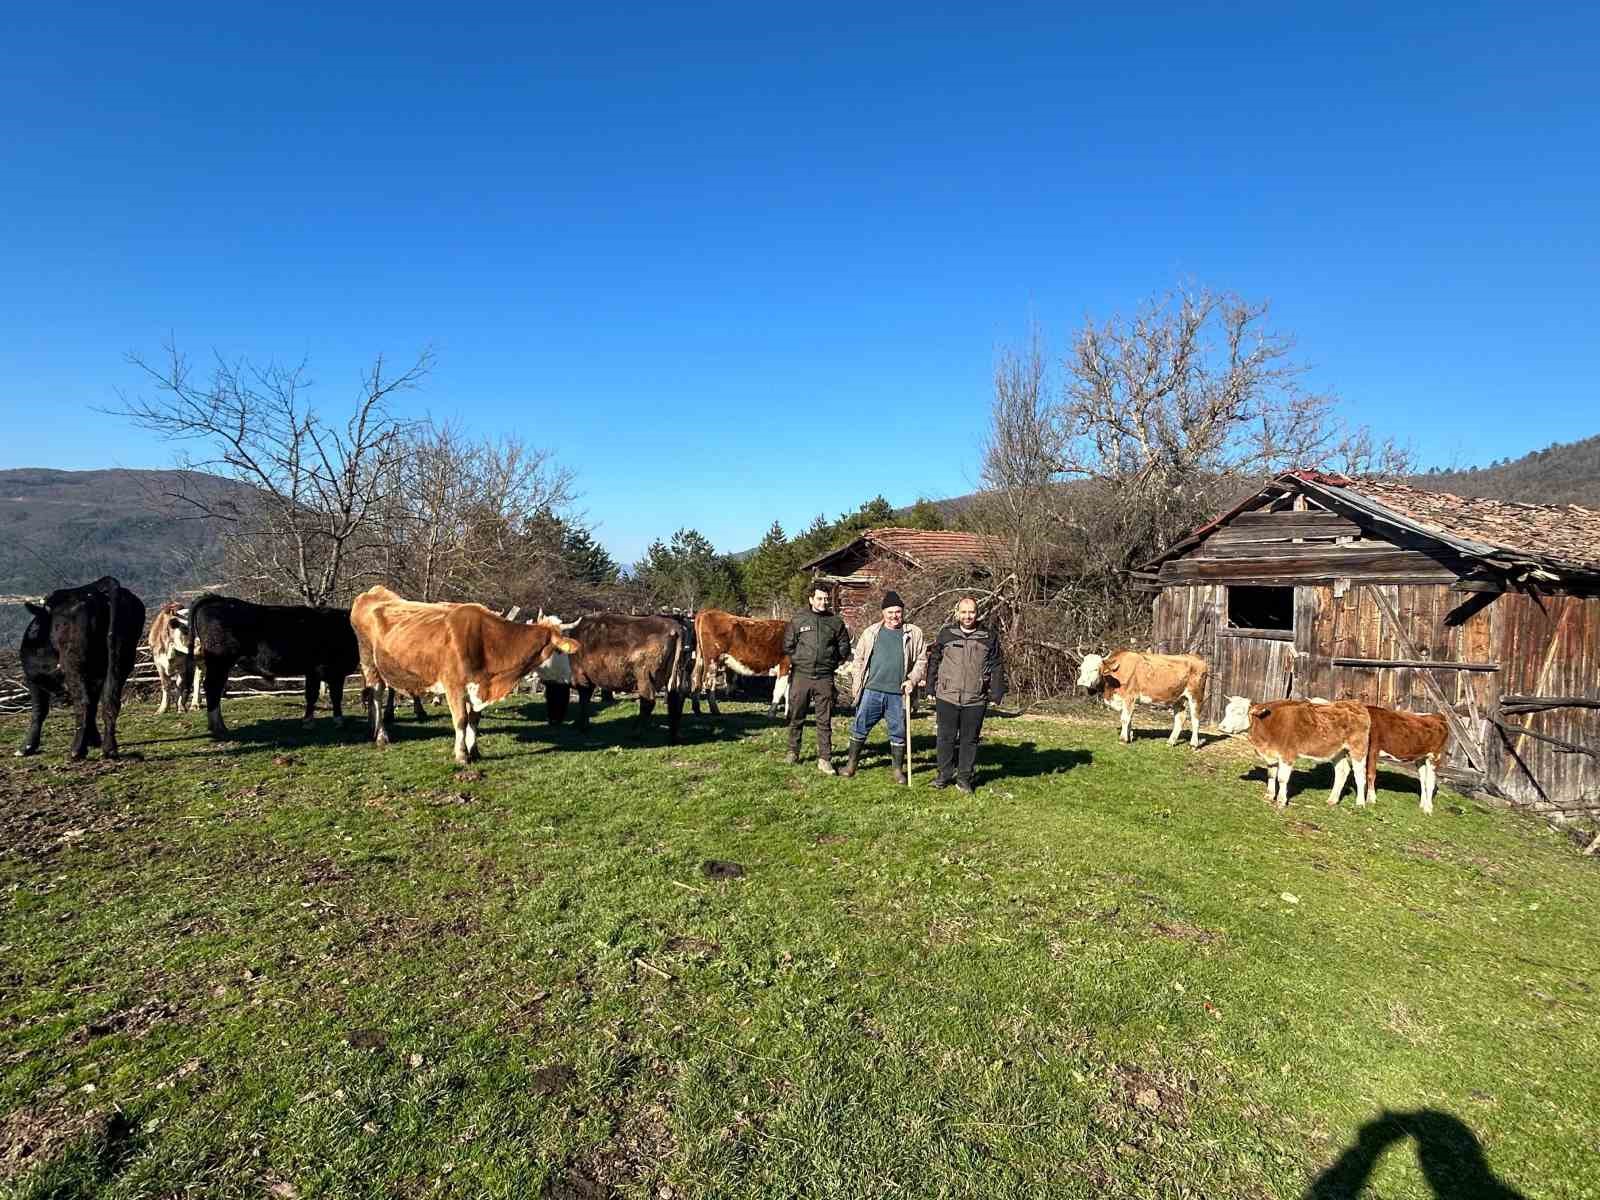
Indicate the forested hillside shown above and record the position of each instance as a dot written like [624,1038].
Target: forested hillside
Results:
[1562,473]
[69,527]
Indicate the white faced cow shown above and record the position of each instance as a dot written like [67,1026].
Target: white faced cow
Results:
[169,648]
[1128,677]
[1281,731]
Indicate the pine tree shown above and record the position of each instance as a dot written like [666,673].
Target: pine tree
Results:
[924,515]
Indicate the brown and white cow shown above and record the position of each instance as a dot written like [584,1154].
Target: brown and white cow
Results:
[744,645]
[1406,737]
[462,651]
[1281,731]
[169,648]
[1129,676]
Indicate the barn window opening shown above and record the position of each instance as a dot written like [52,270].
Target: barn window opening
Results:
[1261,607]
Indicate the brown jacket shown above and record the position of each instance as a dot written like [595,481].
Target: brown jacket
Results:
[916,656]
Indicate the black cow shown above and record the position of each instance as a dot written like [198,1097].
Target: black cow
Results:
[277,639]
[643,655]
[80,646]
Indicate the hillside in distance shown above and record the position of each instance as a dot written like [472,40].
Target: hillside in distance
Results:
[1561,473]
[61,528]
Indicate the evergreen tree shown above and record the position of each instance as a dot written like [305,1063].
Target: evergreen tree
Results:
[585,558]
[689,574]
[924,516]
[767,571]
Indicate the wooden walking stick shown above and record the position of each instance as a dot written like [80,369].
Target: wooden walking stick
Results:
[906,698]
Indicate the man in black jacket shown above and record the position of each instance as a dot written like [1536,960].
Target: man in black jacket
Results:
[966,674]
[817,644]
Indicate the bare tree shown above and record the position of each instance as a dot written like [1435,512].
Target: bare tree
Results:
[475,518]
[1147,426]
[312,517]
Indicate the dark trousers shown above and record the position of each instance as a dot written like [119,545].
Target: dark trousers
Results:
[805,691]
[958,727]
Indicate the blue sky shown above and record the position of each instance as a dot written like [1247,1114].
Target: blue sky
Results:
[733,264]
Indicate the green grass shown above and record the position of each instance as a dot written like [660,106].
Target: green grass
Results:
[294,964]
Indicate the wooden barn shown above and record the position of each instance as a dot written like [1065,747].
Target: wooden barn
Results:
[1488,611]
[859,571]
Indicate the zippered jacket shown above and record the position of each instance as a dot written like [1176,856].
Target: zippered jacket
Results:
[966,668]
[817,644]
[916,646]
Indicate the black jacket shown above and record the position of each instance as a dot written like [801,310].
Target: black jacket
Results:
[966,668]
[818,644]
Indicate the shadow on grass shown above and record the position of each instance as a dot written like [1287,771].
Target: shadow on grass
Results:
[1320,779]
[1024,760]
[1448,1152]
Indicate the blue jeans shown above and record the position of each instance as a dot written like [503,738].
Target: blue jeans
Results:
[880,706]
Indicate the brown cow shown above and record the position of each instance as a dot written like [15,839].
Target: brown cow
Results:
[1406,737]
[1283,730]
[745,646]
[1129,676]
[169,647]
[463,651]
[644,655]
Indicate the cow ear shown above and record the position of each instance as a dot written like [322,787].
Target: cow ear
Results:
[37,610]
[565,644]
[1261,710]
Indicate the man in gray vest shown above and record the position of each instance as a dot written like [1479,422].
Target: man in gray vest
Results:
[890,660]
[817,644]
[966,674]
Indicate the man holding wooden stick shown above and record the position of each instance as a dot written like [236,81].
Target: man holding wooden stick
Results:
[890,659]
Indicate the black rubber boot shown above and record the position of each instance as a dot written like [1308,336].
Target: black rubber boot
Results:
[897,755]
[853,758]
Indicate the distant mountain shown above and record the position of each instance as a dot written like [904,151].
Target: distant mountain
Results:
[59,528]
[1561,473]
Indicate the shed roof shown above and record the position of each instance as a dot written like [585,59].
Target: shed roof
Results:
[920,548]
[1553,539]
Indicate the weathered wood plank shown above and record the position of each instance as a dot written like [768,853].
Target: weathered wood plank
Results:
[1415,663]
[1457,727]
[1304,524]
[1260,635]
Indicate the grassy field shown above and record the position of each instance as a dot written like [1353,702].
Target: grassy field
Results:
[294,965]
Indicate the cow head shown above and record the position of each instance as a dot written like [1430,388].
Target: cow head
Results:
[1236,717]
[1089,674]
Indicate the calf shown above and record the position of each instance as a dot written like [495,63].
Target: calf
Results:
[464,652]
[1406,737]
[1128,676]
[745,646]
[644,655]
[80,647]
[276,639]
[1282,731]
[169,649]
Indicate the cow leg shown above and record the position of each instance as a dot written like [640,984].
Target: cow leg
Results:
[41,710]
[675,715]
[473,716]
[459,711]
[177,687]
[373,697]
[1126,735]
[647,705]
[1177,727]
[1272,781]
[1429,776]
[697,683]
[86,734]
[336,696]
[556,698]
[585,694]
[1341,773]
[780,695]
[216,678]
[1285,769]
[1194,720]
[1362,795]
[164,682]
[313,686]
[111,711]
[419,712]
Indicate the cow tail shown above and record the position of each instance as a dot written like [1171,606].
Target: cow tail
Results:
[192,660]
[113,593]
[682,656]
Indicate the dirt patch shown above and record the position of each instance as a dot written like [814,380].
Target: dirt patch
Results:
[714,868]
[285,760]
[552,1080]
[640,1143]
[45,816]
[136,1021]
[321,871]
[1182,931]
[830,839]
[367,1039]
[1151,1095]
[468,775]
[31,1137]
[694,946]
[1303,827]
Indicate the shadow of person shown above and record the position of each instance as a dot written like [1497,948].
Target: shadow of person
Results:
[1448,1152]
[1025,759]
